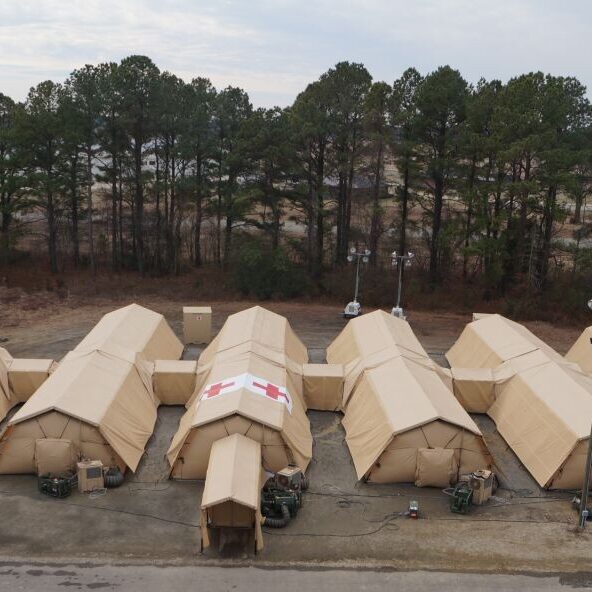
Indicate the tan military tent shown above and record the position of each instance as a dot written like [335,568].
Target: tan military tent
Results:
[249,396]
[100,398]
[544,413]
[540,403]
[400,408]
[401,419]
[581,351]
[137,329]
[368,342]
[100,403]
[249,381]
[232,491]
[492,340]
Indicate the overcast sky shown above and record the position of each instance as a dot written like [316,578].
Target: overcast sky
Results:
[273,48]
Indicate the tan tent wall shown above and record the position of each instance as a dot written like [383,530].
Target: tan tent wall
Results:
[25,376]
[17,444]
[474,388]
[192,459]
[20,378]
[323,386]
[174,381]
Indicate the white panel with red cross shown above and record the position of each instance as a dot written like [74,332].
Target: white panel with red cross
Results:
[262,387]
[254,384]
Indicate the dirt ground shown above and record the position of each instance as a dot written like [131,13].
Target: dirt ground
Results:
[345,523]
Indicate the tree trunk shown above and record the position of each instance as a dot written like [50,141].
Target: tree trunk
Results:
[469,222]
[376,212]
[198,214]
[114,256]
[74,212]
[52,234]
[89,202]
[436,226]
[320,214]
[549,218]
[158,252]
[577,217]
[139,206]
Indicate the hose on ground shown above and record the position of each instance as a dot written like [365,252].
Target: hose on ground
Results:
[113,478]
[279,522]
[305,482]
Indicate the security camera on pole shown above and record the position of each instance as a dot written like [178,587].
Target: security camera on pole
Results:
[400,260]
[354,308]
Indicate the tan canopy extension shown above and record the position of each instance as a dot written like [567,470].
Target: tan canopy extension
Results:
[540,403]
[99,399]
[232,491]
[401,419]
[247,383]
[20,378]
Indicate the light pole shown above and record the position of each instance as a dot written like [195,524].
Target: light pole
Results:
[353,308]
[400,260]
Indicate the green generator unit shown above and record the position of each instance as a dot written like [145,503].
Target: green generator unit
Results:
[59,486]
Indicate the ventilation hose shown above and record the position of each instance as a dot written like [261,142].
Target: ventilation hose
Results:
[113,478]
[279,522]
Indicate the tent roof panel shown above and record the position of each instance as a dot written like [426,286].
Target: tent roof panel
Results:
[234,471]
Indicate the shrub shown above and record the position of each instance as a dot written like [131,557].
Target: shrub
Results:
[264,273]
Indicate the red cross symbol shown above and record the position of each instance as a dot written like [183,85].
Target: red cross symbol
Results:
[214,389]
[271,391]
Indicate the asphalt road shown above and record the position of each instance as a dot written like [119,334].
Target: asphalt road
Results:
[147,578]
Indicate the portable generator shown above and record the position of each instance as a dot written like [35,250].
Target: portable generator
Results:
[59,486]
[281,497]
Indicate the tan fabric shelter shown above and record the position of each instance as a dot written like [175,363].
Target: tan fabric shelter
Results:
[25,376]
[249,381]
[232,490]
[20,378]
[581,351]
[323,386]
[283,431]
[137,329]
[399,405]
[100,397]
[544,414]
[100,402]
[260,331]
[400,408]
[492,340]
[540,403]
[174,380]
